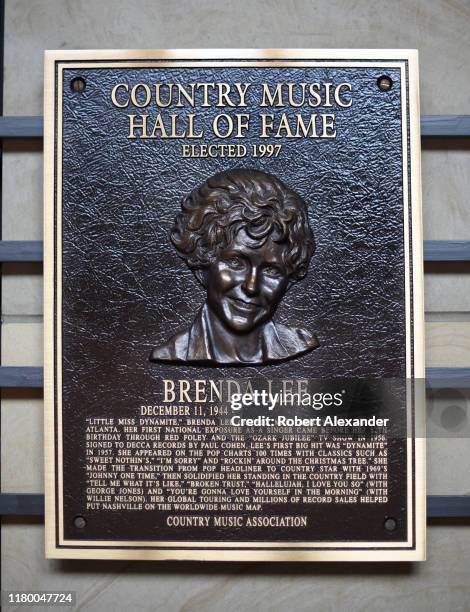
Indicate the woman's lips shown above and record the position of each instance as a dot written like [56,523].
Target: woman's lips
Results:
[244,305]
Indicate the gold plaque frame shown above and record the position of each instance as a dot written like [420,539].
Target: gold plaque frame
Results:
[56,546]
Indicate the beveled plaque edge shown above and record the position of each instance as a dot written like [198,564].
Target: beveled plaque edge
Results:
[272,56]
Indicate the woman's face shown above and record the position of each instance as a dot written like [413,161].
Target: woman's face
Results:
[247,282]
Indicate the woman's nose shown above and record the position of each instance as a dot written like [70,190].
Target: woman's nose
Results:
[251,283]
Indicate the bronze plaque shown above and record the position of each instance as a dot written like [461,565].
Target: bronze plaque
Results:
[233,305]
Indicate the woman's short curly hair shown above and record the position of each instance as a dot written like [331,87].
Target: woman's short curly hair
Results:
[258,202]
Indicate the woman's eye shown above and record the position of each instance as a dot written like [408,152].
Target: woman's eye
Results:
[235,262]
[272,271]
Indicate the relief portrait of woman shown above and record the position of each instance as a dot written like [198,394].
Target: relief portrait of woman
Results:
[246,237]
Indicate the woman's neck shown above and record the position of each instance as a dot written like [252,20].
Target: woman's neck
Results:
[230,346]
